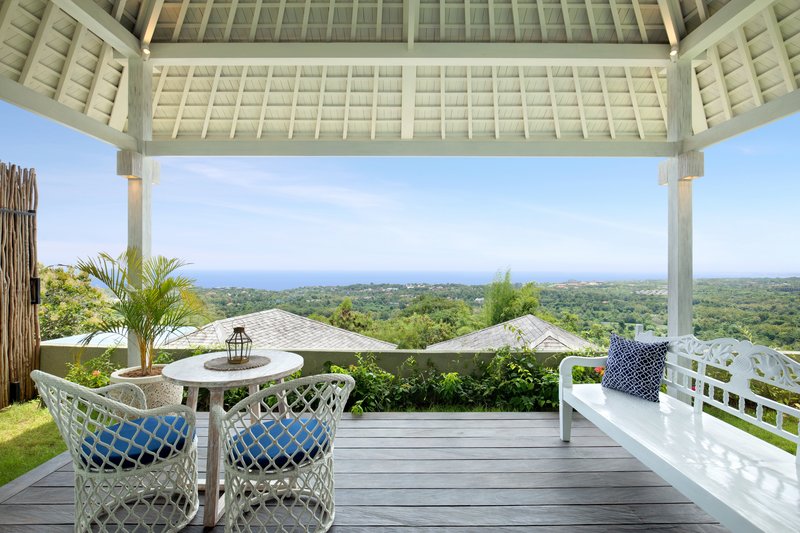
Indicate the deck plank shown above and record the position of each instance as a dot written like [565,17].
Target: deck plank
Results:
[443,473]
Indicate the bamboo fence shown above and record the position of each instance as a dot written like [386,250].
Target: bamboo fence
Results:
[19,319]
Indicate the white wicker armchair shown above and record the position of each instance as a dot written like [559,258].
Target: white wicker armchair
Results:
[135,469]
[278,454]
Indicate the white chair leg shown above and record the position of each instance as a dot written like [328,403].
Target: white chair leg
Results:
[565,417]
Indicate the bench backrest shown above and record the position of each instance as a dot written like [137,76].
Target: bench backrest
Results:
[753,383]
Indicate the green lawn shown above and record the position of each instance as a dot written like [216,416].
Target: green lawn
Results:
[28,438]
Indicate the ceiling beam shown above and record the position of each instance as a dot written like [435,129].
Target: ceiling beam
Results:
[102,24]
[776,109]
[720,25]
[422,54]
[417,147]
[149,12]
[21,96]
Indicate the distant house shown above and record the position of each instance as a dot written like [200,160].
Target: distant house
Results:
[278,329]
[537,334]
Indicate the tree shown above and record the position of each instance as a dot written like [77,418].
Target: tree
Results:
[70,305]
[346,318]
[503,301]
[160,304]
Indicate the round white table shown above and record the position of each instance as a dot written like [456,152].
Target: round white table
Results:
[191,373]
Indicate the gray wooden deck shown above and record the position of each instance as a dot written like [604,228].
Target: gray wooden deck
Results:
[443,473]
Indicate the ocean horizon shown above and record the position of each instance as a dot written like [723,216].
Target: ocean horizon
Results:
[276,280]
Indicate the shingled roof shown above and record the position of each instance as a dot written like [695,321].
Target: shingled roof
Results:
[529,330]
[278,329]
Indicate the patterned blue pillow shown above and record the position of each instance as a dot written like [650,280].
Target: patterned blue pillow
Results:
[635,367]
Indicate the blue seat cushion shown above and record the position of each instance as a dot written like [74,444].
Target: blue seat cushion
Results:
[136,442]
[275,444]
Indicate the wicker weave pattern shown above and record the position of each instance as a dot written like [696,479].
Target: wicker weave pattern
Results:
[128,475]
[278,454]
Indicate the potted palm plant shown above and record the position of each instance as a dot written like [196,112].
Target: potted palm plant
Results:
[155,305]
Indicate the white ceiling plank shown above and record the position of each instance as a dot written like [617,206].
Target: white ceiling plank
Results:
[410,16]
[776,109]
[25,98]
[256,20]
[184,96]
[231,17]
[379,20]
[106,55]
[329,28]
[105,26]
[423,54]
[490,11]
[176,31]
[119,111]
[515,19]
[567,20]
[39,42]
[579,97]
[298,72]
[659,93]
[634,103]
[145,26]
[321,101]
[612,4]
[374,116]
[469,103]
[542,20]
[306,14]
[211,101]
[354,21]
[238,106]
[201,32]
[637,12]
[716,64]
[162,79]
[607,102]
[442,102]
[467,20]
[507,148]
[779,49]
[699,119]
[553,102]
[264,103]
[69,63]
[590,16]
[279,21]
[442,19]
[749,66]
[8,7]
[523,92]
[348,88]
[495,104]
[408,98]
[719,25]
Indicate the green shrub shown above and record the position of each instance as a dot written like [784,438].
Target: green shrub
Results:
[510,381]
[93,373]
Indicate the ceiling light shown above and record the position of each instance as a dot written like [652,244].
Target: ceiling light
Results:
[673,52]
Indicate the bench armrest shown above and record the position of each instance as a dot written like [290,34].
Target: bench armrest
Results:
[568,363]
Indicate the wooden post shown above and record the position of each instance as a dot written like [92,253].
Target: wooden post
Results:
[139,169]
[677,173]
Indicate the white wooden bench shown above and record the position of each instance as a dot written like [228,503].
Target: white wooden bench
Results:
[745,483]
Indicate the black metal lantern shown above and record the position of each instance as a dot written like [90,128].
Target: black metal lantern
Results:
[239,345]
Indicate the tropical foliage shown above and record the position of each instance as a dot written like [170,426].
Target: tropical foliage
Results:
[156,304]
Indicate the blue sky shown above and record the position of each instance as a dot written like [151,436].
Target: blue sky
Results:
[602,216]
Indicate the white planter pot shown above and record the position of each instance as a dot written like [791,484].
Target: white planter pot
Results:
[157,390]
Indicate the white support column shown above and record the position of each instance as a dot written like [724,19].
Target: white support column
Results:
[140,170]
[677,173]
